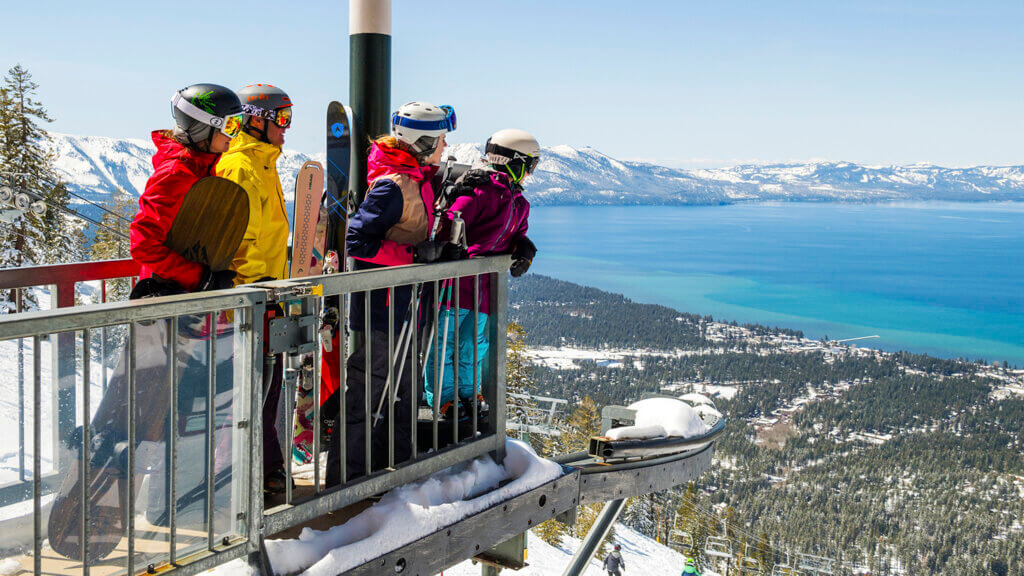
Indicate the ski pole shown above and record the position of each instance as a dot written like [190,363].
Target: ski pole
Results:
[402,344]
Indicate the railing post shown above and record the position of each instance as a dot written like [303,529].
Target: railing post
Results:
[63,357]
[254,321]
[495,385]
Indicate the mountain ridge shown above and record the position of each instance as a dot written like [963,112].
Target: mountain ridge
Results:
[95,166]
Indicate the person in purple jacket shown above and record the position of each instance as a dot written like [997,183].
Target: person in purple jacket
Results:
[489,199]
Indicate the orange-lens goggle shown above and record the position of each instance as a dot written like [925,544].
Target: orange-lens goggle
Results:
[232,125]
[283,117]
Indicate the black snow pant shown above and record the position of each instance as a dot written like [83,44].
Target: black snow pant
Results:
[355,392]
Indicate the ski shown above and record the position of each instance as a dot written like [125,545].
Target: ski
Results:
[337,202]
[309,186]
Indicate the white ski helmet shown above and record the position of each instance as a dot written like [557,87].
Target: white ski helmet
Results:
[516,151]
[421,124]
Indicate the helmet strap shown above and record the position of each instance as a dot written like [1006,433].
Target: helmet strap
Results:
[260,134]
[512,173]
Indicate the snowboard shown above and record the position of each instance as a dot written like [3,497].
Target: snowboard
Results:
[309,186]
[207,229]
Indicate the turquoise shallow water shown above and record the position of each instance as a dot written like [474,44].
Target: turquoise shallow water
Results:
[941,278]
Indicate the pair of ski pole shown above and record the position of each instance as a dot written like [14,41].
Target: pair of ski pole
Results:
[458,236]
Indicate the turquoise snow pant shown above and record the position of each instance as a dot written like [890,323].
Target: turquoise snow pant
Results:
[464,345]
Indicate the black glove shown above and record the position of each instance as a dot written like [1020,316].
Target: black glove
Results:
[216,280]
[155,286]
[522,257]
[453,252]
[428,251]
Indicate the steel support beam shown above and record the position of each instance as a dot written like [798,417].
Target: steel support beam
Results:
[479,532]
[598,532]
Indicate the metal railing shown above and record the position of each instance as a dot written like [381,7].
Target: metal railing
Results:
[165,469]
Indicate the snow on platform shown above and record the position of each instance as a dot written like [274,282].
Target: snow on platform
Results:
[661,417]
[408,513]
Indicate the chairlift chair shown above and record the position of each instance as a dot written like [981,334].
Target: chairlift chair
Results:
[816,564]
[718,547]
[784,570]
[682,540]
[749,565]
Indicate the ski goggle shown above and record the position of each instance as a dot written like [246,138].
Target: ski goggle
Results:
[529,162]
[447,124]
[229,125]
[282,117]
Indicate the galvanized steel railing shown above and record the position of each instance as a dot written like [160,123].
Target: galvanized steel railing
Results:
[203,505]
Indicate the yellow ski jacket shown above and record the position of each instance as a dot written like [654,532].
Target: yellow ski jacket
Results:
[264,249]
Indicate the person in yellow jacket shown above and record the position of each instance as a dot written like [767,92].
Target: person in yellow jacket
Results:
[251,161]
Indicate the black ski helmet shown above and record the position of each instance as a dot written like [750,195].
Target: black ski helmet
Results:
[265,101]
[213,99]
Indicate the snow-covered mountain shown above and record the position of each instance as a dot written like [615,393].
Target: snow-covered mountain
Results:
[95,166]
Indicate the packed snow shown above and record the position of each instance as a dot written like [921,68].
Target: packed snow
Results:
[659,418]
[409,513]
[694,399]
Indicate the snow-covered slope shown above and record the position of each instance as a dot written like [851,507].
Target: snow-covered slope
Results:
[95,166]
[642,556]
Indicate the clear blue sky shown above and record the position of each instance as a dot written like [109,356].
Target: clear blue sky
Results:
[678,83]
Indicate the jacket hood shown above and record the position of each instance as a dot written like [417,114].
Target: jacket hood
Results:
[169,149]
[262,151]
[386,160]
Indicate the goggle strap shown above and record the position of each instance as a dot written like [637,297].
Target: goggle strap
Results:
[182,103]
[511,154]
[414,124]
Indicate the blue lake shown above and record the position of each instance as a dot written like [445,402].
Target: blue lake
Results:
[939,278]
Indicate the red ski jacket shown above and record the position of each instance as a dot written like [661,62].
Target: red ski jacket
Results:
[177,168]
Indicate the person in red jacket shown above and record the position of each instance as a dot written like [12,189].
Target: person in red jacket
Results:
[206,117]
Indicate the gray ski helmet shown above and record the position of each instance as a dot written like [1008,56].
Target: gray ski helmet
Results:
[265,101]
[213,99]
[516,151]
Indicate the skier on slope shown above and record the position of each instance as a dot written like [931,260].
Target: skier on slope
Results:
[690,569]
[251,161]
[391,227]
[206,117]
[489,198]
[614,563]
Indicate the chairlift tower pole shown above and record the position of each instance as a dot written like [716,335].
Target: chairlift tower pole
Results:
[369,83]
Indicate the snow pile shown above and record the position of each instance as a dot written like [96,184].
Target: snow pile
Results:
[411,512]
[695,399]
[708,414]
[661,417]
[9,566]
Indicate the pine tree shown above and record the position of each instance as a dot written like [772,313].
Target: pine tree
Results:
[62,232]
[518,374]
[640,515]
[26,165]
[111,240]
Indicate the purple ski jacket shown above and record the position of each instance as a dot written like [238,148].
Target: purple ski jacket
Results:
[496,214]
